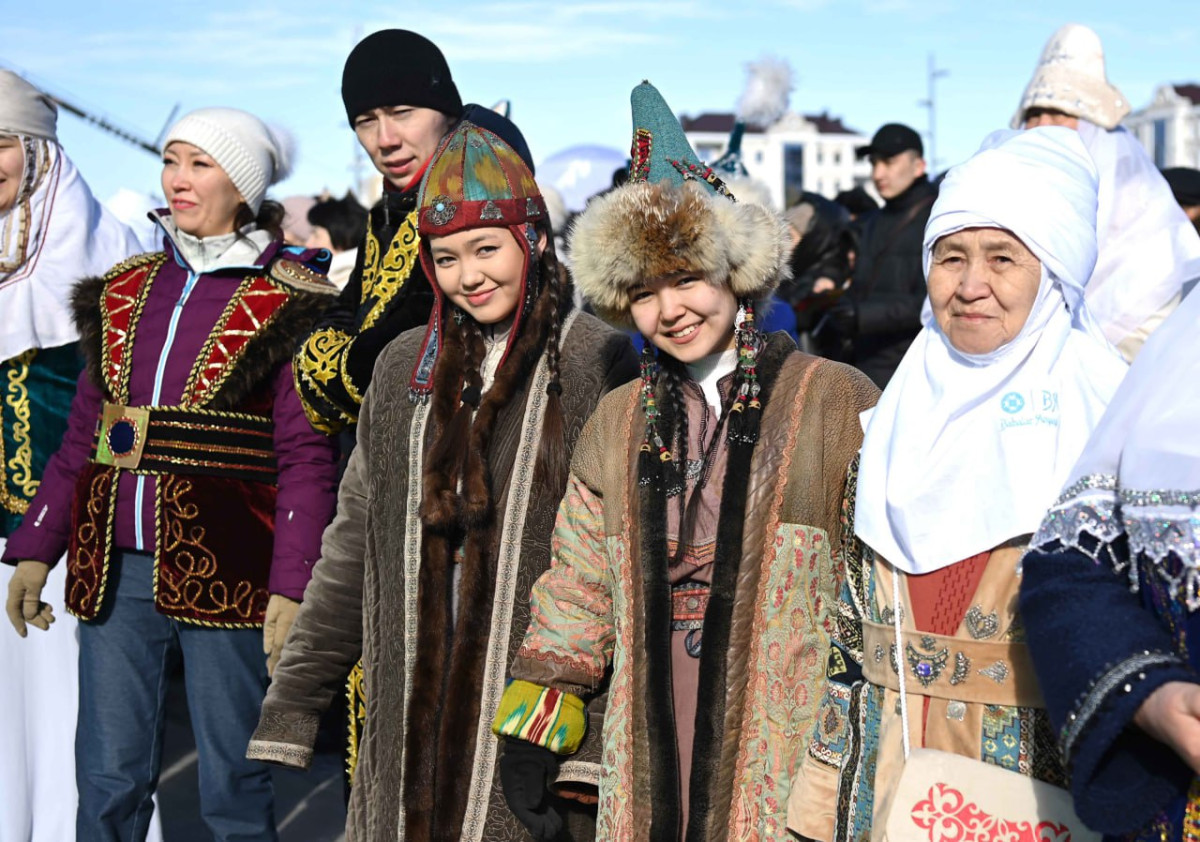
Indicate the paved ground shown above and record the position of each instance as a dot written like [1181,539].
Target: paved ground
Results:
[308,805]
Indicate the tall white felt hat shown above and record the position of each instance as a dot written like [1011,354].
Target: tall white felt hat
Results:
[1070,77]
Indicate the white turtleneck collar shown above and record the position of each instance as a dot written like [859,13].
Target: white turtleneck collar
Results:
[208,254]
[708,371]
[495,340]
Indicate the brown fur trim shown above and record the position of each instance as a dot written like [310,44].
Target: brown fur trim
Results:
[85,308]
[643,231]
[447,680]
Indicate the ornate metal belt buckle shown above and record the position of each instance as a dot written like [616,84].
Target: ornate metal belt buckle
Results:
[122,435]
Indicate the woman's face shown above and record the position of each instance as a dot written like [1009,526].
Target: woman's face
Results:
[684,315]
[480,270]
[12,170]
[982,286]
[320,239]
[202,199]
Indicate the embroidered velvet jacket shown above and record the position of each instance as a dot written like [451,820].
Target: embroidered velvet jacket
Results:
[36,388]
[233,487]
[387,294]
[593,612]
[1100,651]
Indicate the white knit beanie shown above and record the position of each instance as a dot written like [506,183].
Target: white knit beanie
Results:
[253,155]
[1070,77]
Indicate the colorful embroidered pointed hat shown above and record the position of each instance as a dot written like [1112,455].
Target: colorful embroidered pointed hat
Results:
[475,180]
[674,214]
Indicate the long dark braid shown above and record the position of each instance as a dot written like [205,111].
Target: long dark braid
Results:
[551,472]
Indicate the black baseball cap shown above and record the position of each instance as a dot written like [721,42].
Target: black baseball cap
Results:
[892,139]
[1185,185]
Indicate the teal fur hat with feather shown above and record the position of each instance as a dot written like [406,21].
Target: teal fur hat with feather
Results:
[675,214]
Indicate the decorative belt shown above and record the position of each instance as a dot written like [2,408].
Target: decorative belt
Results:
[179,440]
[689,601]
[985,672]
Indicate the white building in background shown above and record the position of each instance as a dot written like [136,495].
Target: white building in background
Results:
[1169,127]
[813,152]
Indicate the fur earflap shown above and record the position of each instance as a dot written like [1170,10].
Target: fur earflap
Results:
[645,230]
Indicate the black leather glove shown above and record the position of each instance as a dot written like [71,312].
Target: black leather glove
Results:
[526,772]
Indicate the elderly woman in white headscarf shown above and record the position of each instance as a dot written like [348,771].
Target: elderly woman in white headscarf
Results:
[52,234]
[968,446]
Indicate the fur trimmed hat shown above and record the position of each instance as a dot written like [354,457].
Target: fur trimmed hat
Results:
[1070,77]
[674,215]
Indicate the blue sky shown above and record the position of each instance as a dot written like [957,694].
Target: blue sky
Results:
[566,66]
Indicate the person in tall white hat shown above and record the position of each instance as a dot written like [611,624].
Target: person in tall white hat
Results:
[1149,251]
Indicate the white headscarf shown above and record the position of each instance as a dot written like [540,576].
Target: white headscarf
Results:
[1140,473]
[1148,248]
[966,451]
[53,236]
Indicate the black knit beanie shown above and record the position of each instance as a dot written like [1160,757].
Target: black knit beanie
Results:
[398,67]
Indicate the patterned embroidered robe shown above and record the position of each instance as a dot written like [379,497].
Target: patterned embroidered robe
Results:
[590,610]
[971,691]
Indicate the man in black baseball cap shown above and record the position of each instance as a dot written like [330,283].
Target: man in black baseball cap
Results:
[873,324]
[892,170]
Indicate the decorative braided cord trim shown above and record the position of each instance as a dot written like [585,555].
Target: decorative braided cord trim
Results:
[578,771]
[508,560]
[285,754]
[1093,699]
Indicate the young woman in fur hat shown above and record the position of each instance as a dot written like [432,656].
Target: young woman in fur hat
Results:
[446,509]
[696,551]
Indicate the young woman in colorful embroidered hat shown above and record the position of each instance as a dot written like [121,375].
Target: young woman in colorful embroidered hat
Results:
[189,491]
[446,509]
[696,548]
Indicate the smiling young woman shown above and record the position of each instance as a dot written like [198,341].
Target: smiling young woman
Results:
[445,510]
[694,494]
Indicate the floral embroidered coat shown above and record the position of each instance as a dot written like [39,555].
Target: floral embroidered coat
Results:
[590,610]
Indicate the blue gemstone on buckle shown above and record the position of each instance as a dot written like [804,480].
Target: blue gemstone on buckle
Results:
[122,436]
[924,670]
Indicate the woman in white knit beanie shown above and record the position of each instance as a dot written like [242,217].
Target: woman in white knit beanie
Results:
[250,155]
[189,492]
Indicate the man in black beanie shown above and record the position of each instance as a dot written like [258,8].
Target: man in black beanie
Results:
[401,101]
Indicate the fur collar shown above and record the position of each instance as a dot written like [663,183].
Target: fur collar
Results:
[270,348]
